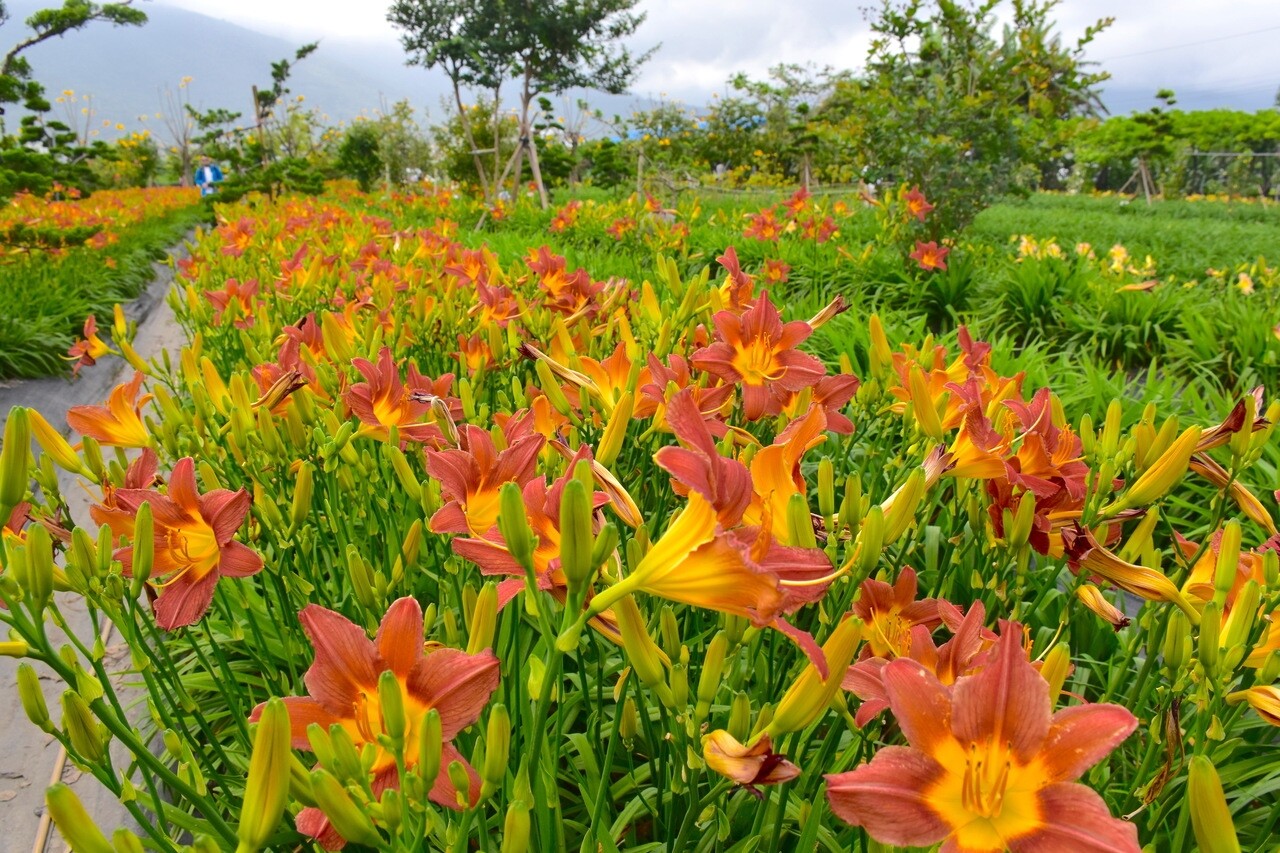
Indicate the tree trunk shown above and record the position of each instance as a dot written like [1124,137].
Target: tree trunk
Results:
[526,138]
[471,142]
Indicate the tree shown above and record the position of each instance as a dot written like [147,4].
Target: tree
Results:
[455,36]
[358,154]
[549,46]
[16,84]
[557,45]
[965,112]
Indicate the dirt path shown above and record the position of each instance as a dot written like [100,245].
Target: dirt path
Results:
[28,757]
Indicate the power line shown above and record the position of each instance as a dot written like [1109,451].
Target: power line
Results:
[1189,44]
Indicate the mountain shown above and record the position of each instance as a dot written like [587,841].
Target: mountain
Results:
[125,68]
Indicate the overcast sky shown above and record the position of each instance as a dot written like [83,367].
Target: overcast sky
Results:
[1211,53]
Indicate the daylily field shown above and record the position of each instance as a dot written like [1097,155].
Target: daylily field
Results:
[760,523]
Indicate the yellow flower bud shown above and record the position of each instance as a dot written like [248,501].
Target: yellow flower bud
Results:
[1210,627]
[266,791]
[144,546]
[69,815]
[615,432]
[826,488]
[484,620]
[408,480]
[55,446]
[39,581]
[900,507]
[642,652]
[1224,576]
[881,354]
[1210,816]
[1055,669]
[810,694]
[922,405]
[1161,476]
[739,726]
[303,487]
[461,782]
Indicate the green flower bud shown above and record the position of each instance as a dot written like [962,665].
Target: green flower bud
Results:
[349,819]
[144,548]
[514,525]
[576,539]
[391,698]
[430,747]
[32,696]
[712,672]
[497,747]
[303,488]
[740,716]
[404,473]
[461,782]
[1210,627]
[124,841]
[15,456]
[86,733]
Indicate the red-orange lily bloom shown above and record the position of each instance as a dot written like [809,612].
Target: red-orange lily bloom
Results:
[989,766]
[758,351]
[343,687]
[930,256]
[192,539]
[383,401]
[917,205]
[119,422]
[471,478]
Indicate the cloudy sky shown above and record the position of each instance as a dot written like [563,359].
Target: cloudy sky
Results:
[1222,53]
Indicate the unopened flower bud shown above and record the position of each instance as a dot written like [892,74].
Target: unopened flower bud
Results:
[615,432]
[1224,575]
[32,696]
[124,841]
[800,522]
[39,581]
[497,748]
[922,405]
[1210,816]
[1161,476]
[513,524]
[645,657]
[576,539]
[430,747]
[870,543]
[1055,669]
[810,694]
[740,716]
[881,354]
[461,782]
[900,508]
[349,819]
[266,791]
[69,815]
[628,721]
[391,698]
[826,488]
[15,456]
[55,446]
[144,548]
[303,486]
[516,827]
[484,620]
[408,479]
[712,672]
[86,733]
[1207,649]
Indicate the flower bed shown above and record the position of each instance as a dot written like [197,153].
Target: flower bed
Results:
[426,544]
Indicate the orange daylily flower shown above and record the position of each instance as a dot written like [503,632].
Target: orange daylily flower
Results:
[742,572]
[739,289]
[86,351]
[989,766]
[343,687]
[471,476]
[748,766]
[890,614]
[241,296]
[917,205]
[193,544]
[930,256]
[756,350]
[776,271]
[119,422]
[383,401]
